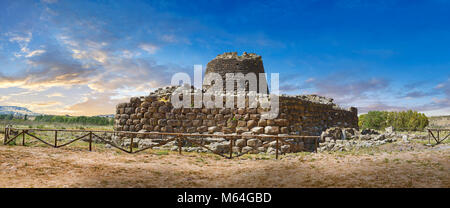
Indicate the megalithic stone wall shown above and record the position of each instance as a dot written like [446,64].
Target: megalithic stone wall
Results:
[306,115]
[298,116]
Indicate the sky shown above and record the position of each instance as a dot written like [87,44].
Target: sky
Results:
[83,57]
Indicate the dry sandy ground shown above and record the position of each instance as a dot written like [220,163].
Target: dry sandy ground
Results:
[49,167]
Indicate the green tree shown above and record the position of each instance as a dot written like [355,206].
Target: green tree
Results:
[404,120]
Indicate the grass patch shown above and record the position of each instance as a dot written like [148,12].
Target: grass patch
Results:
[162,152]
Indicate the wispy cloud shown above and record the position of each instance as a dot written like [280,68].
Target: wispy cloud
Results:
[346,89]
[49,1]
[151,49]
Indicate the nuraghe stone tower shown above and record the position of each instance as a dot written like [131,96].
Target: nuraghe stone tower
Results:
[306,115]
[232,63]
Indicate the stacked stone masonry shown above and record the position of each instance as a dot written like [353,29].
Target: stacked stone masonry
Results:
[297,116]
[305,115]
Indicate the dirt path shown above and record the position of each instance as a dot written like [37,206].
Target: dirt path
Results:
[48,167]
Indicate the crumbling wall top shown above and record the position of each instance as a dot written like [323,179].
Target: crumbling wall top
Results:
[233,55]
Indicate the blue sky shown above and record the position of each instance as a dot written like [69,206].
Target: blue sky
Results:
[83,57]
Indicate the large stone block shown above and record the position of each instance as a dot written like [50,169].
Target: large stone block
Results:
[262,123]
[146,104]
[241,130]
[196,123]
[209,122]
[270,122]
[163,109]
[202,129]
[213,129]
[187,123]
[281,122]
[251,124]
[152,109]
[254,142]
[258,130]
[241,142]
[162,122]
[147,115]
[190,116]
[242,123]
[272,130]
[218,117]
[129,110]
[232,123]
[255,116]
[172,122]
[228,130]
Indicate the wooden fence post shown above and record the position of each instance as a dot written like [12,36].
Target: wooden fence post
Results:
[90,141]
[316,143]
[131,145]
[276,151]
[231,147]
[438,137]
[179,145]
[23,137]
[56,139]
[6,135]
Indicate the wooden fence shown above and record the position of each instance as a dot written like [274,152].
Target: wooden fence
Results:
[437,137]
[11,134]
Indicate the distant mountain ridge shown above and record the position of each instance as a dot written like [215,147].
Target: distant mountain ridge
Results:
[16,111]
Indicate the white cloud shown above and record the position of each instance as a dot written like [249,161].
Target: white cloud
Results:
[34,53]
[169,38]
[310,80]
[151,49]
[56,94]
[20,38]
[49,1]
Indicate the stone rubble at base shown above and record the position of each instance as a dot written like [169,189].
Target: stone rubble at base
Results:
[348,139]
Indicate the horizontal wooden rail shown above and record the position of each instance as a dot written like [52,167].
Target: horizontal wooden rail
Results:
[170,134]
[438,129]
[179,137]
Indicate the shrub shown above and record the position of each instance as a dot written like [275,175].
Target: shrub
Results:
[404,120]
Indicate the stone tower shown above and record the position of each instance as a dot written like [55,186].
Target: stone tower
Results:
[232,63]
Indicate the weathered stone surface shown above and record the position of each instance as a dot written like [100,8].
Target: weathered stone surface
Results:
[190,116]
[196,122]
[242,124]
[281,122]
[209,123]
[262,123]
[227,130]
[241,142]
[187,123]
[251,124]
[258,130]
[254,142]
[284,130]
[221,147]
[240,130]
[271,130]
[248,149]
[202,129]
